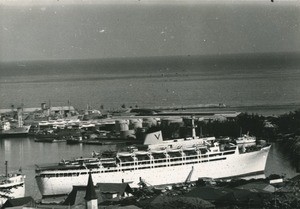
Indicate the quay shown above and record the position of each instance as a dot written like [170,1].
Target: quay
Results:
[65,123]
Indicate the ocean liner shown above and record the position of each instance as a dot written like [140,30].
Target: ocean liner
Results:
[12,185]
[157,162]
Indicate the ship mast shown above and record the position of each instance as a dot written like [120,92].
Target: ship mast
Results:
[6,172]
[193,128]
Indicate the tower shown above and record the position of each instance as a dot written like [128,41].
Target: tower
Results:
[90,195]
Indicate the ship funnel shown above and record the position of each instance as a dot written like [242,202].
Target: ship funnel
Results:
[153,138]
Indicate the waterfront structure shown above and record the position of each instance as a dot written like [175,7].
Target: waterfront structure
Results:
[12,185]
[157,162]
[44,110]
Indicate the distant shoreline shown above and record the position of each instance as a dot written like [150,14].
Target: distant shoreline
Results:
[261,109]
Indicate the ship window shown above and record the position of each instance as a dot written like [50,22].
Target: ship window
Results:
[142,157]
[160,161]
[143,162]
[228,153]
[159,166]
[144,167]
[108,171]
[177,164]
[49,175]
[175,159]
[189,153]
[218,159]
[191,157]
[213,155]
[174,154]
[158,155]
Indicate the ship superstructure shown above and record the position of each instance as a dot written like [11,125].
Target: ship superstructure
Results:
[156,163]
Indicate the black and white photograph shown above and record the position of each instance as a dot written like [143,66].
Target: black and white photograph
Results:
[149,104]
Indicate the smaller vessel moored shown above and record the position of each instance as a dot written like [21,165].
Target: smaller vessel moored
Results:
[12,185]
[246,140]
[9,129]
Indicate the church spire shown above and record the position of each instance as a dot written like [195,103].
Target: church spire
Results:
[90,194]
[90,190]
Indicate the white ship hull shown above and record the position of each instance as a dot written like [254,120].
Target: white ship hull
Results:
[13,189]
[229,166]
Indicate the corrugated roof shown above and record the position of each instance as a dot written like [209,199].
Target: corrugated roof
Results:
[119,188]
[18,202]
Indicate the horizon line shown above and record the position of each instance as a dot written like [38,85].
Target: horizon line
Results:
[149,57]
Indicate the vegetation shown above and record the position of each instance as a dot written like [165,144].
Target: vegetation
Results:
[254,125]
[288,123]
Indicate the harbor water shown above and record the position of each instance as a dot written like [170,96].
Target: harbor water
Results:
[24,154]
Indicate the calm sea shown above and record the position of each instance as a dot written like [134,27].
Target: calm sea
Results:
[268,82]
[262,83]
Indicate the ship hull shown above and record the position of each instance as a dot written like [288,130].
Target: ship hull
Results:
[229,166]
[15,132]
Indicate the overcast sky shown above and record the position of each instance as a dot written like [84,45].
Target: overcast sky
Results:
[62,29]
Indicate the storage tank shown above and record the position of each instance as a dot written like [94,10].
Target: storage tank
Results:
[149,122]
[125,134]
[134,124]
[121,125]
